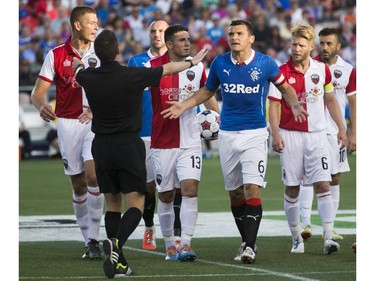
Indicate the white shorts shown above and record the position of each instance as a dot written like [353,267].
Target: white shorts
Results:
[339,157]
[243,157]
[171,166]
[305,158]
[75,140]
[149,168]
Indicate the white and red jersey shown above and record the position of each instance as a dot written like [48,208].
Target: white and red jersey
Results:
[345,83]
[57,66]
[182,132]
[310,87]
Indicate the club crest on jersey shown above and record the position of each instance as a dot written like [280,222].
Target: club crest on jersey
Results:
[92,62]
[254,74]
[337,73]
[190,75]
[292,80]
[67,63]
[315,78]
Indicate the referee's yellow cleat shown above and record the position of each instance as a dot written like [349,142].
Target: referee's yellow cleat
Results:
[123,270]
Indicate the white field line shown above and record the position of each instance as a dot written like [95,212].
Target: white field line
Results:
[220,224]
[257,271]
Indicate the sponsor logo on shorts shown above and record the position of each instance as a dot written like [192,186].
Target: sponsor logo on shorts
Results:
[159,179]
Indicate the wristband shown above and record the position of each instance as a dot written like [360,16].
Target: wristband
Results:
[191,62]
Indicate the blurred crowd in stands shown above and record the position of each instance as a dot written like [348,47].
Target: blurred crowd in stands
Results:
[43,24]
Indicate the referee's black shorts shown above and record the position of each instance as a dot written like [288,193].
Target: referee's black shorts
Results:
[120,163]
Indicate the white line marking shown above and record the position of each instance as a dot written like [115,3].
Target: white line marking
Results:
[65,228]
[250,268]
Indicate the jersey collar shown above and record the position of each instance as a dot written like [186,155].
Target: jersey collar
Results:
[150,55]
[68,46]
[246,61]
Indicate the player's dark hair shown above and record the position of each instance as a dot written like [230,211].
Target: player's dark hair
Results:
[248,24]
[329,31]
[78,12]
[172,30]
[106,46]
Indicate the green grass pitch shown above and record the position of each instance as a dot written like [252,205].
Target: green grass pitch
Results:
[45,190]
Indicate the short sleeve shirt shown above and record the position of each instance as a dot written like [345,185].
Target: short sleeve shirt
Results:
[57,67]
[182,132]
[115,95]
[244,89]
[310,88]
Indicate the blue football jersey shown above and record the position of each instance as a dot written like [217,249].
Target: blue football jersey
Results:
[140,60]
[244,89]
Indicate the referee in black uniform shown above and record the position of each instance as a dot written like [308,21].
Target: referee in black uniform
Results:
[114,94]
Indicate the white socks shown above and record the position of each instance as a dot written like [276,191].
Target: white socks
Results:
[335,191]
[306,196]
[88,209]
[292,212]
[166,220]
[81,213]
[325,210]
[95,201]
[188,217]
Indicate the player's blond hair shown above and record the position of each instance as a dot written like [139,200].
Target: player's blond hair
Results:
[304,31]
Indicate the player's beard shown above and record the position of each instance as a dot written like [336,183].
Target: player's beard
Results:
[299,58]
[326,57]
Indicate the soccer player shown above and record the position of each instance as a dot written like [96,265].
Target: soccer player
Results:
[176,144]
[158,48]
[344,82]
[74,137]
[244,76]
[115,93]
[303,147]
